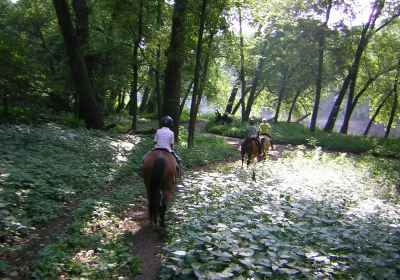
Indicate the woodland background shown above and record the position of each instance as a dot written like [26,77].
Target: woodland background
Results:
[242,57]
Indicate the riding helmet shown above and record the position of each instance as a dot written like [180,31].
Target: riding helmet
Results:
[251,121]
[166,121]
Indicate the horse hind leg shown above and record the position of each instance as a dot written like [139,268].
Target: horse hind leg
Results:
[165,197]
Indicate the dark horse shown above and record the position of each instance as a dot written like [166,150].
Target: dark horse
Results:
[250,148]
[159,175]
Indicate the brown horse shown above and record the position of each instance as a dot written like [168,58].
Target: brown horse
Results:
[159,175]
[249,148]
[265,144]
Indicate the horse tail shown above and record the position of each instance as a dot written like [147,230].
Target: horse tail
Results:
[155,188]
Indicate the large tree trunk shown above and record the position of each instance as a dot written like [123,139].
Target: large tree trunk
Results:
[321,48]
[395,101]
[197,70]
[82,12]
[351,77]
[376,113]
[135,68]
[87,102]
[176,56]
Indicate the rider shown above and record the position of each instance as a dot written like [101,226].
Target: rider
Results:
[264,129]
[252,133]
[164,139]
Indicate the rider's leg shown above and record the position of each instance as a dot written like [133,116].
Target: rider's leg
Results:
[178,162]
[270,140]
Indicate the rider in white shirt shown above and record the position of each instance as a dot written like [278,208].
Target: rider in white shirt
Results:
[164,139]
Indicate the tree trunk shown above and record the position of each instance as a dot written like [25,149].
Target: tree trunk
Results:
[321,48]
[240,102]
[175,59]
[298,92]
[146,92]
[232,96]
[197,70]
[135,68]
[278,106]
[376,113]
[158,62]
[395,101]
[185,97]
[87,102]
[241,73]
[121,100]
[252,95]
[82,20]
[82,12]
[351,77]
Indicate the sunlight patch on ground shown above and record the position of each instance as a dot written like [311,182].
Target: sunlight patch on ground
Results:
[312,215]
[124,147]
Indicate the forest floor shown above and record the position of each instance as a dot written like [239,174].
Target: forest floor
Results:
[339,222]
[145,242]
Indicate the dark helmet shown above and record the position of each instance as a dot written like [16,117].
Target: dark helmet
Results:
[166,121]
[252,121]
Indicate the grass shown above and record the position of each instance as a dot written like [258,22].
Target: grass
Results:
[297,134]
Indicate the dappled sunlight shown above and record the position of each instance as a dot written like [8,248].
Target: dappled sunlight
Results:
[124,147]
[105,256]
[46,167]
[311,214]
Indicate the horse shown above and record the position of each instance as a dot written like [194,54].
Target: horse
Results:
[265,144]
[159,175]
[250,148]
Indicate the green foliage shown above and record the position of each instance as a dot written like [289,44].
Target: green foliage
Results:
[206,150]
[96,245]
[297,134]
[311,214]
[45,167]
[34,184]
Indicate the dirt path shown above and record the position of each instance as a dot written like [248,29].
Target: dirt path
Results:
[146,243]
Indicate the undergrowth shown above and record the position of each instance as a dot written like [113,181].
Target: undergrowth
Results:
[297,134]
[47,167]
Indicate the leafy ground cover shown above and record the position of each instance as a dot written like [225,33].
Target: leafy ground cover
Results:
[93,177]
[297,134]
[310,214]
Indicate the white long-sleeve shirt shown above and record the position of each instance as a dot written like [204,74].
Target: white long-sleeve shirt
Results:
[164,138]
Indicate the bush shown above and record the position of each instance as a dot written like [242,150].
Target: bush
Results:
[297,134]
